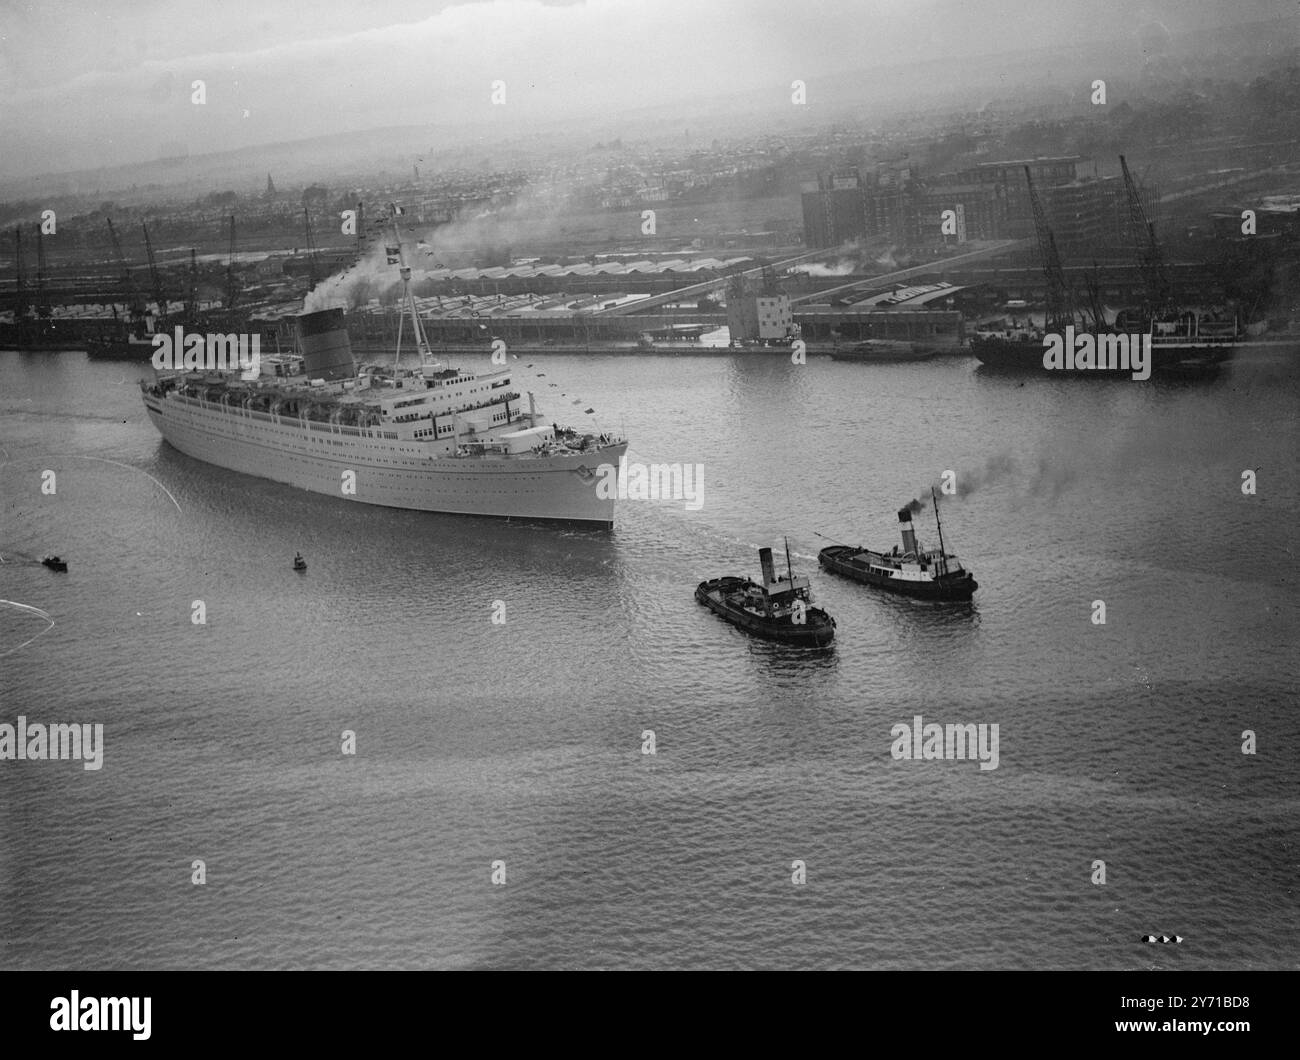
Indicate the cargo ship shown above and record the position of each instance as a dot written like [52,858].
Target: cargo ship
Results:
[126,345]
[1167,336]
[912,571]
[780,608]
[1192,338]
[431,438]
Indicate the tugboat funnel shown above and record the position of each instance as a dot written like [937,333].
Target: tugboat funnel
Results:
[765,561]
[909,535]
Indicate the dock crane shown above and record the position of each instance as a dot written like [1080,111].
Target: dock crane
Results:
[192,289]
[20,279]
[232,283]
[159,295]
[1060,310]
[311,250]
[1144,242]
[135,306]
[43,307]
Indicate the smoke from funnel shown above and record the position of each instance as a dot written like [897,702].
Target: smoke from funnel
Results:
[531,218]
[994,469]
[369,277]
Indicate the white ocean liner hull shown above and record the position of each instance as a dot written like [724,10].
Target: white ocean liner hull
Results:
[391,472]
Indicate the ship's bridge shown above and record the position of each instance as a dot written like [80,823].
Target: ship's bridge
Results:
[456,392]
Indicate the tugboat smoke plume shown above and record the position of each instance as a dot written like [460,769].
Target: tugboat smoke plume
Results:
[1048,475]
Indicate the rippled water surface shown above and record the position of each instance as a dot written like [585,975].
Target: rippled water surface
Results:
[522,742]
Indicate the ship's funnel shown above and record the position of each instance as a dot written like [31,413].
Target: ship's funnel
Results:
[909,535]
[765,561]
[326,348]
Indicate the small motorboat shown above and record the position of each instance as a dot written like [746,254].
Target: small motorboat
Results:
[54,563]
[299,564]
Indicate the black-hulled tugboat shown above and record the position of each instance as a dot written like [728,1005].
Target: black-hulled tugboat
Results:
[299,564]
[778,609]
[54,563]
[933,575]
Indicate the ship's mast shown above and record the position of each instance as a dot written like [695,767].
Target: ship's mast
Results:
[408,299]
[789,568]
[943,553]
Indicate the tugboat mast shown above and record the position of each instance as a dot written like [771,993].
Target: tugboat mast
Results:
[943,553]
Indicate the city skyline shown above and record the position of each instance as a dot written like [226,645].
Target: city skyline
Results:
[118,90]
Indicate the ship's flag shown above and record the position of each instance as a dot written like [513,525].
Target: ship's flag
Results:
[394,254]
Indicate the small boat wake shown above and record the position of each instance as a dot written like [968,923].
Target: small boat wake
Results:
[28,609]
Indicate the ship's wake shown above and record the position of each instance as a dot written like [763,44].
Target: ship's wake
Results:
[28,609]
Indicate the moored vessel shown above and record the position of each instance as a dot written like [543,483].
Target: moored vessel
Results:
[1189,337]
[883,351]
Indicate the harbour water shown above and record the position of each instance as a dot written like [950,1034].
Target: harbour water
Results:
[521,741]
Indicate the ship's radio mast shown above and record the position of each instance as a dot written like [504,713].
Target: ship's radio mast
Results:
[408,298]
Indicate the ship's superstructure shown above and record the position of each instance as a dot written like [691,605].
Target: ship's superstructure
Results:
[434,437]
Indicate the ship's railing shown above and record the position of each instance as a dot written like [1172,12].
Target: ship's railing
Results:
[283,420]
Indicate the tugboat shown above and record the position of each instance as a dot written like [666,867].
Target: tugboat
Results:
[54,563]
[933,575]
[299,564]
[779,609]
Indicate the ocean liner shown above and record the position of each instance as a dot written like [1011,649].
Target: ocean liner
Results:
[432,438]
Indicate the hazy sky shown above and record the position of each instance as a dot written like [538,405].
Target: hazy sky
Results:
[84,84]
